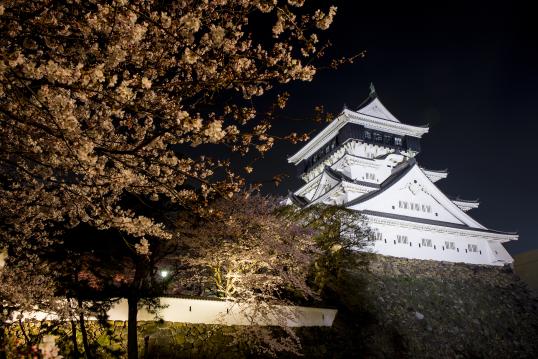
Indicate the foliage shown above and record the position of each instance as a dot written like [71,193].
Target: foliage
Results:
[108,339]
[337,232]
[99,99]
[262,252]
[114,114]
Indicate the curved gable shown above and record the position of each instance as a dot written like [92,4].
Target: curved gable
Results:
[410,193]
[376,109]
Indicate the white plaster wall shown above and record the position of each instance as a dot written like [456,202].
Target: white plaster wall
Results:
[388,245]
[409,191]
[198,311]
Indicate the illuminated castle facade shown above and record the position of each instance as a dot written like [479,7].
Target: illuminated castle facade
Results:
[365,160]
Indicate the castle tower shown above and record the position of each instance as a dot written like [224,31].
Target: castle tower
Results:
[365,160]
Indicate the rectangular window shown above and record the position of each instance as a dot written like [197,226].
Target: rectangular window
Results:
[387,139]
[472,248]
[367,135]
[375,235]
[450,245]
[407,205]
[402,239]
[398,141]
[378,137]
[426,242]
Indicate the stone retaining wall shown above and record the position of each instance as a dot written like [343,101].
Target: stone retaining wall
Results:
[387,308]
[428,309]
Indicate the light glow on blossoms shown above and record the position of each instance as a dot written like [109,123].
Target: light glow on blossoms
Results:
[142,248]
[98,100]
[48,348]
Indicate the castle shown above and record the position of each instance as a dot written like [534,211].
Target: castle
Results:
[365,160]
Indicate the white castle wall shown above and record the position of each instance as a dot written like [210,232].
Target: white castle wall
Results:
[488,251]
[199,311]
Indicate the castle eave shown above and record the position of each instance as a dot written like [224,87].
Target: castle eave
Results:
[506,236]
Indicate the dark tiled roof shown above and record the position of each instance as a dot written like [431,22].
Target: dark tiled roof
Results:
[385,155]
[339,176]
[298,200]
[436,171]
[457,199]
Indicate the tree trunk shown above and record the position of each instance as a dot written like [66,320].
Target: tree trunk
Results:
[74,339]
[85,343]
[3,354]
[132,335]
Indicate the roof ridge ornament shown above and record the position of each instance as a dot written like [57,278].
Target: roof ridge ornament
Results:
[373,93]
[371,96]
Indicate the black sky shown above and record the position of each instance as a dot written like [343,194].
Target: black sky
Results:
[469,70]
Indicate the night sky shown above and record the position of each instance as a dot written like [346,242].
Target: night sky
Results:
[469,70]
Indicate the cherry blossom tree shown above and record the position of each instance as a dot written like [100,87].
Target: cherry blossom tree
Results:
[106,100]
[103,98]
[262,254]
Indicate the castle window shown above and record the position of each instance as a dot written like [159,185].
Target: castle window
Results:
[378,137]
[401,239]
[450,245]
[376,236]
[426,208]
[426,242]
[413,206]
[398,141]
[472,248]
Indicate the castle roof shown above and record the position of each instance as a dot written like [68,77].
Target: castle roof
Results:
[372,115]
[373,107]
[404,176]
